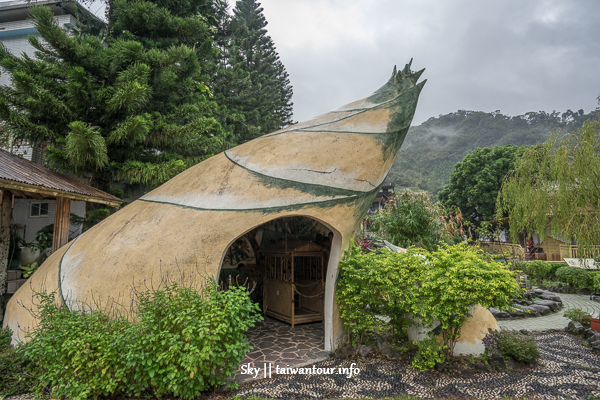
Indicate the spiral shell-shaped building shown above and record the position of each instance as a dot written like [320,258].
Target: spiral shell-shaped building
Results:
[328,169]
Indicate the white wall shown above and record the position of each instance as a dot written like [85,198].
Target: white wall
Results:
[29,226]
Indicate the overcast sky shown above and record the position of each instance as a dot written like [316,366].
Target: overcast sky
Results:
[514,56]
[510,55]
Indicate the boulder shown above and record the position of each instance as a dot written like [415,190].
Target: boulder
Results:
[585,292]
[575,328]
[596,345]
[554,306]
[529,311]
[525,332]
[517,312]
[551,297]
[542,310]
[499,314]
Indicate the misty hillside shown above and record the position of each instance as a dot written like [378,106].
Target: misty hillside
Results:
[431,149]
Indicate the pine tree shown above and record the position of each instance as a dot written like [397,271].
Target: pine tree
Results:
[135,106]
[252,82]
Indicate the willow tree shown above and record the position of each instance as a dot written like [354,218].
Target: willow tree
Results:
[555,190]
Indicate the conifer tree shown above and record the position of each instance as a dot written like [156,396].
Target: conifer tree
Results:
[253,82]
[135,106]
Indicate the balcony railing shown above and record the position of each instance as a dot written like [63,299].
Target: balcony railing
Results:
[574,251]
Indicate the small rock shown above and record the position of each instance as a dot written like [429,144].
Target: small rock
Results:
[386,350]
[525,332]
[483,367]
[346,351]
[589,333]
[595,345]
[497,362]
[575,328]
[364,350]
[445,366]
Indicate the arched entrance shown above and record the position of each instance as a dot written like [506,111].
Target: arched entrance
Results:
[291,263]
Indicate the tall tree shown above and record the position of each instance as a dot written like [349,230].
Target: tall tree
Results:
[476,180]
[254,83]
[135,106]
[554,188]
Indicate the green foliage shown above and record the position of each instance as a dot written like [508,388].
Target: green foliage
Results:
[5,337]
[252,82]
[576,277]
[476,180]
[577,315]
[183,342]
[18,372]
[432,149]
[539,270]
[513,344]
[29,269]
[123,103]
[188,342]
[429,353]
[456,278]
[596,281]
[414,220]
[554,190]
[440,285]
[392,291]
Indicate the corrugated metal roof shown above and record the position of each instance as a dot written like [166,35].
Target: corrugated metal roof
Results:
[17,173]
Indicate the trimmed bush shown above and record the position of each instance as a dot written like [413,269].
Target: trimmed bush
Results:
[576,277]
[539,270]
[183,342]
[513,344]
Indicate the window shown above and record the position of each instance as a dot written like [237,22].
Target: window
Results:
[38,209]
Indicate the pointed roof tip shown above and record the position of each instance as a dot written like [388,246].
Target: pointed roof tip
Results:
[395,71]
[416,75]
[420,85]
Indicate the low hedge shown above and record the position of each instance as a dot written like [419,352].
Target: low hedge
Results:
[576,277]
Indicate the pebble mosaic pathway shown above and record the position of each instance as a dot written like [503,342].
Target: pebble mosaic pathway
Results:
[555,320]
[567,369]
[277,343]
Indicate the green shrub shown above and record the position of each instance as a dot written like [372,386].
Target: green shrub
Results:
[430,352]
[18,372]
[456,278]
[5,337]
[513,344]
[390,278]
[440,285]
[183,342]
[539,270]
[188,342]
[577,315]
[576,277]
[596,281]
[79,354]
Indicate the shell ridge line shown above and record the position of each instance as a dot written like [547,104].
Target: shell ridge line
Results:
[60,292]
[297,205]
[359,111]
[315,185]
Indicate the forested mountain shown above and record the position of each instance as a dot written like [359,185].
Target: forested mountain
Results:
[431,149]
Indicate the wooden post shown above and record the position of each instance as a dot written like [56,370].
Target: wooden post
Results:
[61,223]
[5,218]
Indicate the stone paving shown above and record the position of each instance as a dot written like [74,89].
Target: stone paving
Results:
[566,369]
[554,320]
[275,342]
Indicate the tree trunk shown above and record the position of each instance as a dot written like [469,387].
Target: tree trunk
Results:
[5,219]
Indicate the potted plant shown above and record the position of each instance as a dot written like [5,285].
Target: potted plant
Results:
[595,324]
